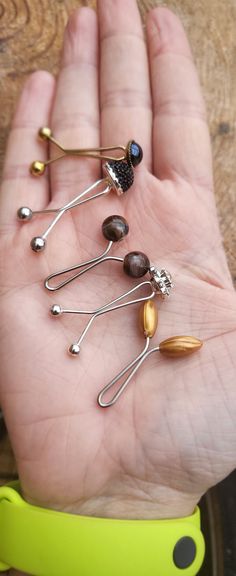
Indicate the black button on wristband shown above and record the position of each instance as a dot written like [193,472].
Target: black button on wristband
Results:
[185,552]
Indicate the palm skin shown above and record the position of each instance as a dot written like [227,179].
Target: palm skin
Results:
[172,434]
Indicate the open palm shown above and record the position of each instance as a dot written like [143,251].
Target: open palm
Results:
[172,433]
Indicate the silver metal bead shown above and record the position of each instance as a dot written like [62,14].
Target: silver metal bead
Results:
[24,213]
[161,281]
[38,243]
[56,310]
[74,349]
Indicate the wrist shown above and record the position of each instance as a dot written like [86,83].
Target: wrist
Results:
[166,504]
[132,509]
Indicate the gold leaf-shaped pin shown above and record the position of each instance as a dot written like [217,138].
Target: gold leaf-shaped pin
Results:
[178,346]
[148,318]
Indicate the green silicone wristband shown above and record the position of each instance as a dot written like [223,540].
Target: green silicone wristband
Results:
[44,542]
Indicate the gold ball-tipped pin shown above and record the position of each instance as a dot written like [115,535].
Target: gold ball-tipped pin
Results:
[131,153]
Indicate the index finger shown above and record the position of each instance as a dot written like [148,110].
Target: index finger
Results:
[19,187]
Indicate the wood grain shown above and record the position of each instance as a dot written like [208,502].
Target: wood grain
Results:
[31,33]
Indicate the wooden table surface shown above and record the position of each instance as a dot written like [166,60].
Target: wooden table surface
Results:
[31,34]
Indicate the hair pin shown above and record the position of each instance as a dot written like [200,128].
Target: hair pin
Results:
[132,152]
[174,347]
[114,229]
[135,265]
[119,176]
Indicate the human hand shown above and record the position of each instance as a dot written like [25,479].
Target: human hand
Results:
[172,434]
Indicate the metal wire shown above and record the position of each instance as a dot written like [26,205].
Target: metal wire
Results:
[73,203]
[137,362]
[88,263]
[109,307]
[87,152]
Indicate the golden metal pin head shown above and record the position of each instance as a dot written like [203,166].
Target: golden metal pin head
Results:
[37,168]
[178,346]
[148,318]
[45,133]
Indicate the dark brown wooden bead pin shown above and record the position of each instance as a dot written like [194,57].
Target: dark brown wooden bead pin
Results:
[114,229]
[135,264]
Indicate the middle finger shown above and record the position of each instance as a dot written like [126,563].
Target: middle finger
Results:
[126,111]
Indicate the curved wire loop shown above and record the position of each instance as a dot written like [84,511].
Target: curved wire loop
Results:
[136,363]
[86,265]
[122,387]
[97,153]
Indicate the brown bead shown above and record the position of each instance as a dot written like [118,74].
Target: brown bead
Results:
[115,228]
[178,346]
[136,264]
[148,318]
